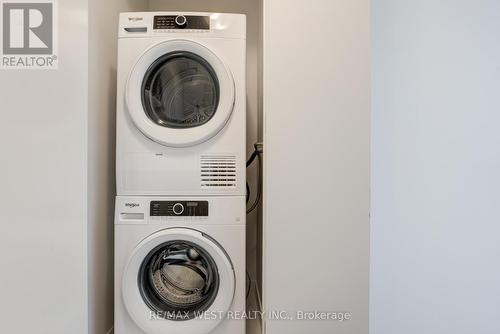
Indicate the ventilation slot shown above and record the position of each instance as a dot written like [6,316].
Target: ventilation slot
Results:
[218,171]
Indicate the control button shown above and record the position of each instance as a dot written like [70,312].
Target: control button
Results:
[178,208]
[181,21]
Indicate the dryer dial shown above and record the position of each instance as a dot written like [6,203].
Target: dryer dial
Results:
[181,21]
[178,209]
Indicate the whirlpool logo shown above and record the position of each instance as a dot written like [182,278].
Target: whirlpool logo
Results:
[29,36]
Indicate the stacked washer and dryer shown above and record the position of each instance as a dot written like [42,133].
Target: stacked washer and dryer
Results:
[181,146]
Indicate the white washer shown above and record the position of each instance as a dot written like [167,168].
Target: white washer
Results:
[181,108]
[179,265]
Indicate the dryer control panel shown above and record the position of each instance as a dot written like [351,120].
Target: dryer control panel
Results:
[147,24]
[189,22]
[179,209]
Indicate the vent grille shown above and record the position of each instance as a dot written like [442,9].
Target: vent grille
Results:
[218,171]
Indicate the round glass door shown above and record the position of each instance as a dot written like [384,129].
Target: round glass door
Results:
[180,90]
[179,279]
[180,93]
[173,278]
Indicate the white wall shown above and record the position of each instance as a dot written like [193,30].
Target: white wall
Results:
[103,41]
[436,163]
[316,136]
[43,182]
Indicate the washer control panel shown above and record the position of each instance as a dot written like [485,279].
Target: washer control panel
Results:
[167,22]
[179,209]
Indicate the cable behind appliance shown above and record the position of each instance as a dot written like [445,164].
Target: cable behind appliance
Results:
[257,153]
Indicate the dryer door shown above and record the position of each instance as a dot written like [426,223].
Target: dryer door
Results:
[180,93]
[178,281]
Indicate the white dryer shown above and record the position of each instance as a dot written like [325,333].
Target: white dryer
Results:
[179,265]
[181,108]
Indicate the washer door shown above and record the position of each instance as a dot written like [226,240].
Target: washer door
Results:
[178,281]
[180,93]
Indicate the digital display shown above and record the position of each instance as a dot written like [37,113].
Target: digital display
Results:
[179,209]
[191,22]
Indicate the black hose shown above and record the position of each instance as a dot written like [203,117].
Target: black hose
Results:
[249,285]
[252,158]
[248,193]
[259,184]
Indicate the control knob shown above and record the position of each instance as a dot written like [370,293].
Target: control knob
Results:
[178,209]
[181,21]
